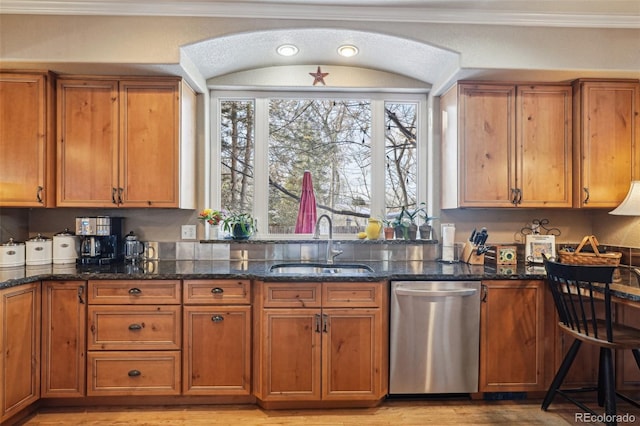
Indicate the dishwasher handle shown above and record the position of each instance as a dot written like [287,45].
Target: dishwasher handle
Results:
[400,291]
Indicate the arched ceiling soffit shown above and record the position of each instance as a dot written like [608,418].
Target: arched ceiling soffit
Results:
[242,52]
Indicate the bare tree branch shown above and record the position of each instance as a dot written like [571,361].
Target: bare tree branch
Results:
[320,206]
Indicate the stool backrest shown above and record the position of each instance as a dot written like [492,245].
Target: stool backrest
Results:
[573,288]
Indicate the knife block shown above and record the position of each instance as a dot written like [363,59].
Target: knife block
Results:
[470,256]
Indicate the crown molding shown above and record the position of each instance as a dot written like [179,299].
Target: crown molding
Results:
[267,10]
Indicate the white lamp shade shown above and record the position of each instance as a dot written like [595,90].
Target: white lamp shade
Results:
[630,206]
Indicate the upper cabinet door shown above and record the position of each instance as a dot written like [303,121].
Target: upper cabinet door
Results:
[544,146]
[487,146]
[27,163]
[87,143]
[606,146]
[126,143]
[149,143]
[511,146]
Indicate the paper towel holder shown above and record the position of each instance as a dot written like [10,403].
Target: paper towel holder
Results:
[449,253]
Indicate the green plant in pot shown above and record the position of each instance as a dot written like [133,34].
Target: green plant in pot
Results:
[402,225]
[388,228]
[240,225]
[425,229]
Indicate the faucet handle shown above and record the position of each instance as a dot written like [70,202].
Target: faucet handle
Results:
[336,250]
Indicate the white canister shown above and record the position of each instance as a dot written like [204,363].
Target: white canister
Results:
[11,254]
[66,247]
[38,250]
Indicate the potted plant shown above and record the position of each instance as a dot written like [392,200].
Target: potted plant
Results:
[240,225]
[387,229]
[399,225]
[211,219]
[425,229]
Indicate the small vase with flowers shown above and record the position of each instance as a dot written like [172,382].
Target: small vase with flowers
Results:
[211,219]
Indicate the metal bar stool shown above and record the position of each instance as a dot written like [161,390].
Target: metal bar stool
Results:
[573,288]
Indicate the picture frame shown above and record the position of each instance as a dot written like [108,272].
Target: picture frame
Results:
[536,245]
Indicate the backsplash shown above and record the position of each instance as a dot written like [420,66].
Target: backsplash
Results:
[315,251]
[299,250]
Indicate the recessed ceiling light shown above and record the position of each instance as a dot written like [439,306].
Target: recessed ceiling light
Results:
[347,50]
[287,50]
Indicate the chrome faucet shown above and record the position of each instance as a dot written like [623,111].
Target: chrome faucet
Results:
[331,252]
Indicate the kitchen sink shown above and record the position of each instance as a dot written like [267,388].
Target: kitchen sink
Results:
[320,268]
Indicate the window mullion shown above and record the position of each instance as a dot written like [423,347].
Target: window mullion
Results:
[378,192]
[261,166]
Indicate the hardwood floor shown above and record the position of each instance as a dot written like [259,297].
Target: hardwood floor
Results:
[392,412]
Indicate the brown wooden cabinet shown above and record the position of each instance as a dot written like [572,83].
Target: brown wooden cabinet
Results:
[125,143]
[19,348]
[27,139]
[320,342]
[516,336]
[216,353]
[506,145]
[134,337]
[87,142]
[64,310]
[606,141]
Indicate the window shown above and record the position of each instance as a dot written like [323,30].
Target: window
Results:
[361,153]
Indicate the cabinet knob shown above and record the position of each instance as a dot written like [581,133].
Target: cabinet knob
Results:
[135,327]
[134,373]
[217,290]
[135,291]
[217,318]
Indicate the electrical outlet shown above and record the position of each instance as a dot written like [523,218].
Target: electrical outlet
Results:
[188,232]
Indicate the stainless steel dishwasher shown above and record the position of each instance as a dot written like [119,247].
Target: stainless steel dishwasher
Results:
[435,337]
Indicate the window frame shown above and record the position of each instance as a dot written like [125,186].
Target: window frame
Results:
[261,129]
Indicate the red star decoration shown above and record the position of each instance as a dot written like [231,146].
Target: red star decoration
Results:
[318,77]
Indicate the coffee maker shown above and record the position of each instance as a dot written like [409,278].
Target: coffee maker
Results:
[101,240]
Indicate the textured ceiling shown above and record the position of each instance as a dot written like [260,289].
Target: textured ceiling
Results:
[242,52]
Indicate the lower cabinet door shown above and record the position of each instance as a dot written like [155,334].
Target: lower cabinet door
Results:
[19,348]
[290,355]
[64,312]
[352,354]
[217,350]
[516,336]
[133,373]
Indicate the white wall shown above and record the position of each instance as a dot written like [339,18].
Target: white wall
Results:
[121,45]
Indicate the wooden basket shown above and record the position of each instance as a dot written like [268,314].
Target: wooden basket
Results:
[578,257]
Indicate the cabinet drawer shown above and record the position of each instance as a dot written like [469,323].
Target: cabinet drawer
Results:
[133,373]
[134,327]
[292,295]
[348,294]
[120,292]
[216,292]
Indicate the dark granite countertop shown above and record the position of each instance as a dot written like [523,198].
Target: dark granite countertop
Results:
[627,288]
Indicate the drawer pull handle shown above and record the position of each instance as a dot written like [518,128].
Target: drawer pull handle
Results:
[135,327]
[217,290]
[134,373]
[217,318]
[135,290]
